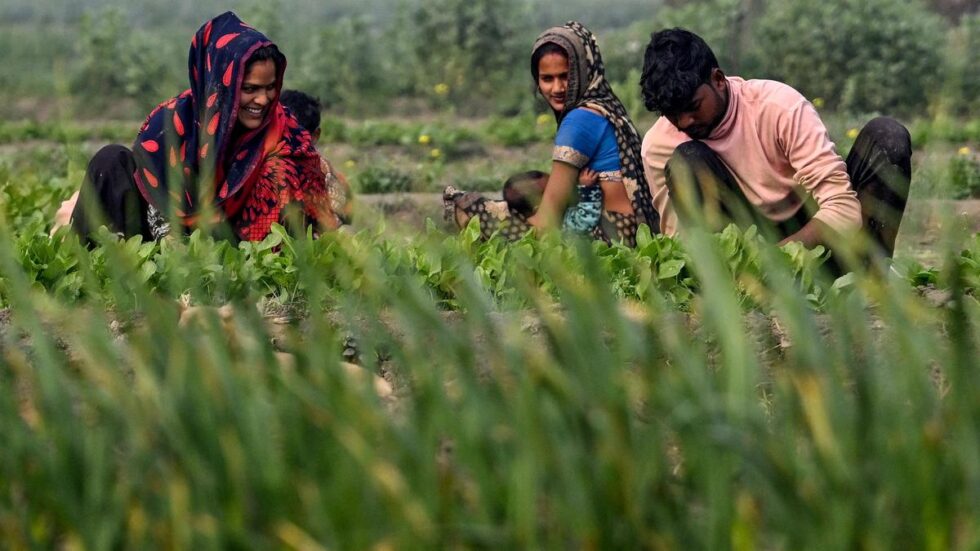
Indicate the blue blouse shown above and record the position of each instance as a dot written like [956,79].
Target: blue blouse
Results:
[587,139]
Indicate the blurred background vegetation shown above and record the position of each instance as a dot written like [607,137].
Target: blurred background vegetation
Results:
[99,58]
[419,94]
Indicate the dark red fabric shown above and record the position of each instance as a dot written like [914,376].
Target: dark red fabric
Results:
[188,154]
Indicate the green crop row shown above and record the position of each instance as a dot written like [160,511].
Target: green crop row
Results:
[515,131]
[569,422]
[214,271]
[506,131]
[66,132]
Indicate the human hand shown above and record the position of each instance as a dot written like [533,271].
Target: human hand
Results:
[588,177]
[63,216]
[534,220]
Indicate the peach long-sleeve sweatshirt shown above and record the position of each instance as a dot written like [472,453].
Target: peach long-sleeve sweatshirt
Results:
[774,143]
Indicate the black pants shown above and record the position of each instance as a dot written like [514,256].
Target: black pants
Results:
[879,166]
[109,196]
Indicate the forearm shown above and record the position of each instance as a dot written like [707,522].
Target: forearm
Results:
[812,234]
[553,204]
[556,196]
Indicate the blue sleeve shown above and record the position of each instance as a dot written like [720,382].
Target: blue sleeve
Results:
[579,137]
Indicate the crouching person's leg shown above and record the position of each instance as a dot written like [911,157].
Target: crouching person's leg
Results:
[880,168]
[109,196]
[703,191]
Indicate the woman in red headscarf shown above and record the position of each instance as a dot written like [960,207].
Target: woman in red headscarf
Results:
[222,152]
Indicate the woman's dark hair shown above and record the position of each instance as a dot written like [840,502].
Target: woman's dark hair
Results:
[675,64]
[543,50]
[304,107]
[264,53]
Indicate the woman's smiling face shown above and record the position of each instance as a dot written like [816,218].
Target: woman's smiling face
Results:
[553,80]
[258,92]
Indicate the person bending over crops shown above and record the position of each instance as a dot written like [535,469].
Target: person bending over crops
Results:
[306,109]
[594,132]
[756,152]
[223,152]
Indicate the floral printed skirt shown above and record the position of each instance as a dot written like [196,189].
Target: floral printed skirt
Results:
[496,218]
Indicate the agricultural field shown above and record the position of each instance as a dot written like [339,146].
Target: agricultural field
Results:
[402,386]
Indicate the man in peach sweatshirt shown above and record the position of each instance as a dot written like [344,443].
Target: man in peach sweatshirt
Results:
[755,151]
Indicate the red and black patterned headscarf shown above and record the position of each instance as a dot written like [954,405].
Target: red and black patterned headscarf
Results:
[185,155]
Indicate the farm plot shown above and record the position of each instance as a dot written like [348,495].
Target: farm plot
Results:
[711,392]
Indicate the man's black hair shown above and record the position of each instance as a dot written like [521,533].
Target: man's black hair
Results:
[520,192]
[304,107]
[676,63]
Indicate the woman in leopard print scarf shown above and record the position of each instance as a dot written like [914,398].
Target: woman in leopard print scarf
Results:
[594,131]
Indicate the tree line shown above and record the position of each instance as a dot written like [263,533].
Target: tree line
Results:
[470,56]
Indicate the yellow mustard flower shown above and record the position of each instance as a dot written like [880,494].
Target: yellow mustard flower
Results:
[435,153]
[349,163]
[818,102]
[544,119]
[852,133]
[964,151]
[424,139]
[441,89]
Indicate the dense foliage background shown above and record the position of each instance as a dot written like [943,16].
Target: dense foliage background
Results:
[470,56]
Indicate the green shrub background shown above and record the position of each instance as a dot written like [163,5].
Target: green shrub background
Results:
[470,56]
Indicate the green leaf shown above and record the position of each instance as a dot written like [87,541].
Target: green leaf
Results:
[670,268]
